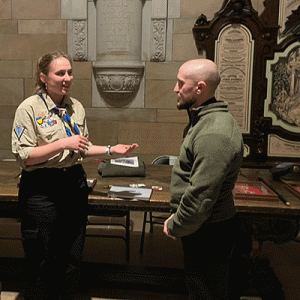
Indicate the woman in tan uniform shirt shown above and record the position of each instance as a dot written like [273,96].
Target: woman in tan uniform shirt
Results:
[49,140]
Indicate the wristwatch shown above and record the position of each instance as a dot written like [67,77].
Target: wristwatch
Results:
[108,150]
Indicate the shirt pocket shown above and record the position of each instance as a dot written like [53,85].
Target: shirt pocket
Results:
[50,134]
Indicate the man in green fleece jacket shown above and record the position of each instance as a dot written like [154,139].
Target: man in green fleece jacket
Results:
[203,178]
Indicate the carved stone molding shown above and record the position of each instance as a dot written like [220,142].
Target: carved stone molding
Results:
[117,81]
[118,70]
[159,40]
[80,40]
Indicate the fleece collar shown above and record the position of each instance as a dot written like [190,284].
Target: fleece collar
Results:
[211,105]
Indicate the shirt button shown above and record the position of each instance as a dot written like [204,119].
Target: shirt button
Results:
[64,169]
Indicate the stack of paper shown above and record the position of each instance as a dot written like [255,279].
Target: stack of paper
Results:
[132,193]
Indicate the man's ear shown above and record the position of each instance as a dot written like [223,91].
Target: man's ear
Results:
[200,86]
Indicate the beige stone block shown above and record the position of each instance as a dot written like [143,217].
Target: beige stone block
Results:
[15,69]
[42,27]
[82,91]
[103,133]
[6,154]
[33,9]
[7,111]
[194,8]
[30,46]
[74,9]
[184,47]
[11,92]
[5,9]
[166,70]
[82,70]
[8,26]
[29,87]
[153,138]
[5,133]
[174,9]
[119,114]
[172,116]
[184,25]
[159,94]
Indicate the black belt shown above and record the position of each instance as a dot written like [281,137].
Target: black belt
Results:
[55,171]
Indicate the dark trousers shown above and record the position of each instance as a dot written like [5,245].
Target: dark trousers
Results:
[53,205]
[207,255]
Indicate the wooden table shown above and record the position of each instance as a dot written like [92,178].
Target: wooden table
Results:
[156,176]
[251,212]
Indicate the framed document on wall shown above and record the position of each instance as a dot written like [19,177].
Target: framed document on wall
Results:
[234,56]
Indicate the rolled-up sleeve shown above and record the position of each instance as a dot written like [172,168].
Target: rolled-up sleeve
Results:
[24,136]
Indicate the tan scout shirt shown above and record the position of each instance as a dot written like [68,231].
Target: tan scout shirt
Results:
[37,123]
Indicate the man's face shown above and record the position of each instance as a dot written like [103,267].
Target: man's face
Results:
[186,90]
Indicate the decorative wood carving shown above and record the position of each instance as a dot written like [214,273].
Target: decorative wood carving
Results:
[264,33]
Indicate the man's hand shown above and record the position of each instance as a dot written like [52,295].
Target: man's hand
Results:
[166,228]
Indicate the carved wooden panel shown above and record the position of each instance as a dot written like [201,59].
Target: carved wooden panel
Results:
[255,60]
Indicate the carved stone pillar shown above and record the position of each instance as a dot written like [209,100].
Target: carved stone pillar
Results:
[118,68]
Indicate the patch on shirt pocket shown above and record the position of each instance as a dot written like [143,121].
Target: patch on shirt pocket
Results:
[45,120]
[49,134]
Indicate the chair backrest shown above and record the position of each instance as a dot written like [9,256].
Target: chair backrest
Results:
[164,160]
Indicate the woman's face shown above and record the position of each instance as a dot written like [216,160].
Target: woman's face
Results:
[59,79]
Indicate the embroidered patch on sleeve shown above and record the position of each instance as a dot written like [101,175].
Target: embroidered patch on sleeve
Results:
[19,131]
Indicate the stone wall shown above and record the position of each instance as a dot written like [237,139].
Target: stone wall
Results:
[31,28]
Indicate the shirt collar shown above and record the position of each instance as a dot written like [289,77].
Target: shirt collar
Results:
[51,104]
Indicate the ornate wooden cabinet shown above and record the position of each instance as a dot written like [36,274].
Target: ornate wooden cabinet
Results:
[259,60]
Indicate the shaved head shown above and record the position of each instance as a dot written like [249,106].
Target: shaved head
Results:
[197,81]
[202,70]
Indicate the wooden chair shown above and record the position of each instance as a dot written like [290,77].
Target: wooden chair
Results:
[111,224]
[156,218]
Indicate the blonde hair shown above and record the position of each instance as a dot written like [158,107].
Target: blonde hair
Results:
[43,66]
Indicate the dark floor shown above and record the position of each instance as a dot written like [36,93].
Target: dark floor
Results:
[102,281]
[158,272]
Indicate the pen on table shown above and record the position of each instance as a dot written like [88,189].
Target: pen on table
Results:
[283,200]
[278,194]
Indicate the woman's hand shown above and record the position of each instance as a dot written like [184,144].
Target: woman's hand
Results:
[75,143]
[43,153]
[123,149]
